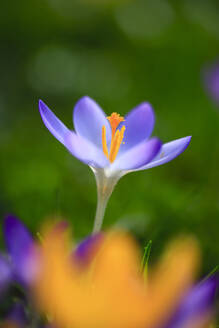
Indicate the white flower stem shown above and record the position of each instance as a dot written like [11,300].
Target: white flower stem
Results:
[105,186]
[100,211]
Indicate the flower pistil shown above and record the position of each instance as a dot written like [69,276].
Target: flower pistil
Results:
[116,137]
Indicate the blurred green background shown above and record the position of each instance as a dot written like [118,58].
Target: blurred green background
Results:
[120,53]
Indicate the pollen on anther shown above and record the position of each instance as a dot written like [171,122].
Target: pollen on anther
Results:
[115,119]
[104,143]
[116,143]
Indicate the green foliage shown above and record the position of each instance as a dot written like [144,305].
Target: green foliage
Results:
[61,50]
[145,259]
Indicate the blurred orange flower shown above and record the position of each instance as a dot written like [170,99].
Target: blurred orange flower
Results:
[109,291]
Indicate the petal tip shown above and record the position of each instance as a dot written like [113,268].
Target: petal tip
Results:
[9,219]
[146,104]
[84,99]
[145,107]
[42,108]
[10,223]
[11,227]
[52,122]
[41,104]
[187,142]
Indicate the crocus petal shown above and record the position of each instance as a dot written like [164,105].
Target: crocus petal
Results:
[5,273]
[137,156]
[19,243]
[85,151]
[89,119]
[139,125]
[196,305]
[53,124]
[168,152]
[86,250]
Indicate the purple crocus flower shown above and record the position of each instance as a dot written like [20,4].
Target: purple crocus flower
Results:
[211,81]
[138,152]
[196,305]
[20,265]
[20,247]
[112,146]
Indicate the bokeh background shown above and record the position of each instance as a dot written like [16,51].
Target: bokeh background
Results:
[120,53]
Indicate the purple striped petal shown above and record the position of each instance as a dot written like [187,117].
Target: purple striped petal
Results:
[196,305]
[19,243]
[139,125]
[53,124]
[137,156]
[85,151]
[5,273]
[168,152]
[89,119]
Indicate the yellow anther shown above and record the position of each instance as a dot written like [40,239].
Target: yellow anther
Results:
[113,146]
[116,138]
[115,119]
[105,149]
[116,143]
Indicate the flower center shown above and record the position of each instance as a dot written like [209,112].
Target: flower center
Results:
[116,138]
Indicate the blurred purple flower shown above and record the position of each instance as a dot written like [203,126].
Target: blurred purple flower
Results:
[197,305]
[21,252]
[211,81]
[90,141]
[21,264]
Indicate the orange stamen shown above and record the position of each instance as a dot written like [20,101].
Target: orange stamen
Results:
[114,120]
[116,138]
[105,149]
[116,143]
